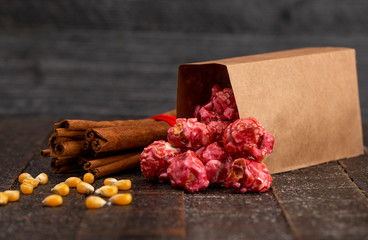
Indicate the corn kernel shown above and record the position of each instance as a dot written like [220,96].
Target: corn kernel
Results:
[85,188]
[3,199]
[123,184]
[121,199]
[24,176]
[110,181]
[53,200]
[33,181]
[43,178]
[73,181]
[13,195]
[107,191]
[61,189]
[94,202]
[89,178]
[26,188]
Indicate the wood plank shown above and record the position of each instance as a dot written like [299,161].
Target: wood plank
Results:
[219,213]
[357,169]
[156,212]
[20,140]
[322,202]
[275,17]
[72,72]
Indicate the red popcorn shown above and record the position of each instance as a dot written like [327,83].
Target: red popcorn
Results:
[218,129]
[221,107]
[201,150]
[217,162]
[189,133]
[247,138]
[188,172]
[156,158]
[247,175]
[212,152]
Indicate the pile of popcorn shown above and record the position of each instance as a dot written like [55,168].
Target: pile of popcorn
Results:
[214,147]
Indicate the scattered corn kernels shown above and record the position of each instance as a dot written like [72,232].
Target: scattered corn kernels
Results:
[61,189]
[123,184]
[110,181]
[107,191]
[26,188]
[73,181]
[24,176]
[33,181]
[121,199]
[95,202]
[3,199]
[53,200]
[42,178]
[89,178]
[13,195]
[85,188]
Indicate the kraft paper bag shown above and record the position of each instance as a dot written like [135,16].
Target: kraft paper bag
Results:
[307,98]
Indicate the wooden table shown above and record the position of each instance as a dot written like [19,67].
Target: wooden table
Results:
[328,201]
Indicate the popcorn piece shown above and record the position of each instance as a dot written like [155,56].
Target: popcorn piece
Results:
[217,162]
[218,129]
[188,172]
[156,158]
[189,134]
[222,107]
[247,175]
[247,138]
[212,152]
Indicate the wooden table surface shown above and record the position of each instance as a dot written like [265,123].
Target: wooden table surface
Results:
[327,201]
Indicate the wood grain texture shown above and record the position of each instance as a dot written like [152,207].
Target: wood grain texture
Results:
[19,139]
[319,202]
[322,202]
[357,169]
[216,16]
[219,213]
[73,72]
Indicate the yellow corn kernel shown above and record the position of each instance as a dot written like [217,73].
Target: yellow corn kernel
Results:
[73,181]
[123,184]
[3,199]
[33,181]
[53,200]
[26,188]
[13,195]
[89,178]
[85,188]
[61,189]
[110,181]
[24,176]
[43,178]
[94,202]
[121,199]
[107,191]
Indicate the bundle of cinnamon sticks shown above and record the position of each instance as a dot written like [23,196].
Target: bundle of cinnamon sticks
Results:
[102,147]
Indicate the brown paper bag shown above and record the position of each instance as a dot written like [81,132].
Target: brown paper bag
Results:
[307,98]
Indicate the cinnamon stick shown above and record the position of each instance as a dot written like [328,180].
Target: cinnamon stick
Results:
[70,148]
[62,132]
[61,161]
[45,153]
[94,163]
[76,124]
[123,137]
[115,167]
[65,167]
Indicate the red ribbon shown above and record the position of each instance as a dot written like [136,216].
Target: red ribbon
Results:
[162,117]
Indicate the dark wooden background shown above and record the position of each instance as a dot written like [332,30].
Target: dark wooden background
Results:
[115,57]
